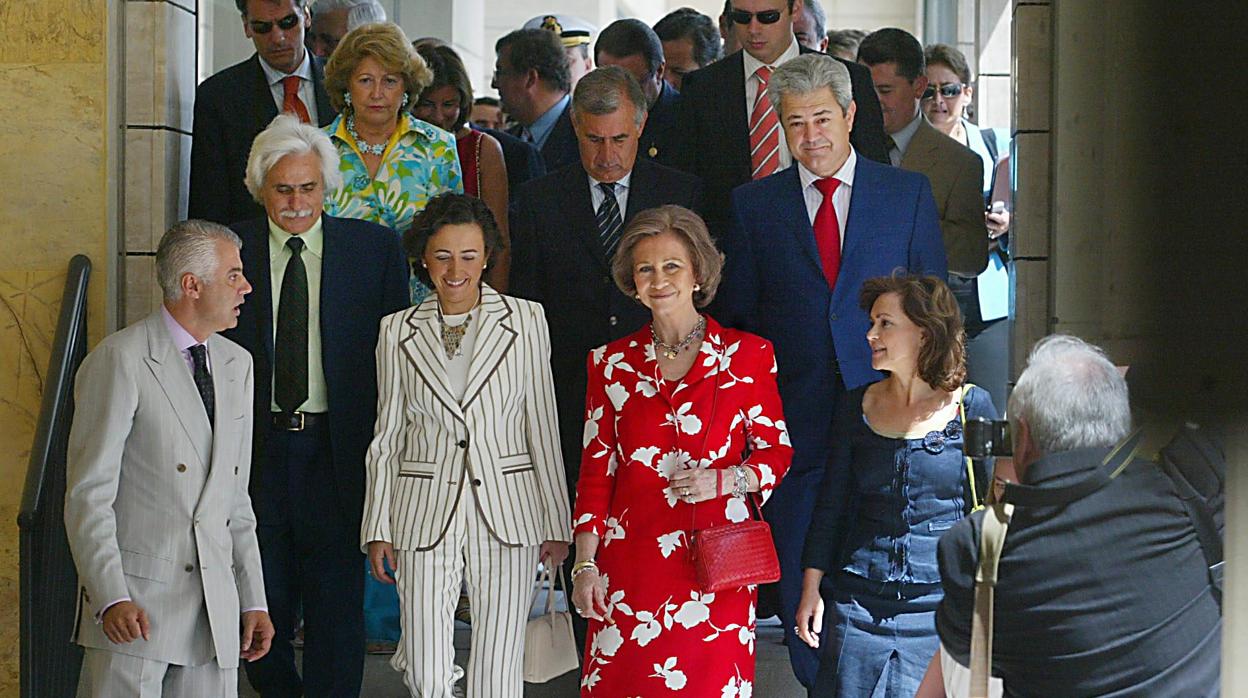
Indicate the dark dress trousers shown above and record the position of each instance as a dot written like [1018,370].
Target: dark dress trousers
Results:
[715,142]
[558,260]
[231,108]
[308,486]
[660,139]
[1106,596]
[523,160]
[560,149]
[774,286]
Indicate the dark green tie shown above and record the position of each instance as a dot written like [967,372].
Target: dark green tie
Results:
[290,347]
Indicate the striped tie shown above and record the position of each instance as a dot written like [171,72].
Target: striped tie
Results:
[608,218]
[764,130]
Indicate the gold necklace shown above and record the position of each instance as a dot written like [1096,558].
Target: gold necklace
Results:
[453,335]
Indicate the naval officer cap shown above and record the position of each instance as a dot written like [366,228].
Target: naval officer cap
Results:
[572,31]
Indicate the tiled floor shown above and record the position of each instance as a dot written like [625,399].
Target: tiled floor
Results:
[773,678]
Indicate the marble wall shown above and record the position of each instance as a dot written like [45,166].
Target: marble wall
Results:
[56,156]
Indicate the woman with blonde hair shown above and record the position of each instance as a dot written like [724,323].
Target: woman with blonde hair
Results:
[392,163]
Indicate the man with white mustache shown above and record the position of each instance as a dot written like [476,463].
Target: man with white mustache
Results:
[322,285]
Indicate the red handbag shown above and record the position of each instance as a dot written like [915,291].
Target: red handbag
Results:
[735,555]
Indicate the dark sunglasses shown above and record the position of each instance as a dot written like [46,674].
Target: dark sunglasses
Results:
[948,90]
[285,23]
[764,17]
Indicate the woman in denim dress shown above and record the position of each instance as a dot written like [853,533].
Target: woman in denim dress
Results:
[897,478]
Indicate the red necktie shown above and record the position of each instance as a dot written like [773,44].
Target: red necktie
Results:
[290,100]
[764,131]
[828,231]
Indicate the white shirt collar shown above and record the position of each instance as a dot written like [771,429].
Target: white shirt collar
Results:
[752,64]
[304,70]
[845,174]
[621,183]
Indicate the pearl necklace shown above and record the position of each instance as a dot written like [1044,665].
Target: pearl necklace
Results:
[672,350]
[364,145]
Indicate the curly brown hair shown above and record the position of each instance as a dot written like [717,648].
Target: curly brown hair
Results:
[929,303]
[385,43]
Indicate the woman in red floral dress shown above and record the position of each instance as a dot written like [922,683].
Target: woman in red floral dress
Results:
[682,418]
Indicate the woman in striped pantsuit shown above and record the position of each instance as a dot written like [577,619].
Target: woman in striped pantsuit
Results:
[465,478]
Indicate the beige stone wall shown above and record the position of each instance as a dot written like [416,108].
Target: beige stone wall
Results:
[54,162]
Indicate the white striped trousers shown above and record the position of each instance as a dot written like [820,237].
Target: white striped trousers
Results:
[500,581]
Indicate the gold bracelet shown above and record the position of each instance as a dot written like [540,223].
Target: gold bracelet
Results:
[582,566]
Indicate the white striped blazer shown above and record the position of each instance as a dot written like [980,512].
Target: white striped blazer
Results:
[502,441]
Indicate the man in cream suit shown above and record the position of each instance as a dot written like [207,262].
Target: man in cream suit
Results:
[156,507]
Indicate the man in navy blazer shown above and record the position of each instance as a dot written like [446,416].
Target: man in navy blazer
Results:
[714,113]
[775,283]
[632,45]
[234,105]
[321,286]
[532,79]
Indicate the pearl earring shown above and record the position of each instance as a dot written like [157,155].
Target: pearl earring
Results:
[697,287]
[405,100]
[347,96]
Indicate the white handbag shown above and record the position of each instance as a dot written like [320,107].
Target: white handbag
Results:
[549,645]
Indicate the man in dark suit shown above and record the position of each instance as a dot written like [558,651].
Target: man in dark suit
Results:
[794,278]
[322,285]
[730,135]
[523,160]
[234,105]
[531,76]
[1106,593]
[561,255]
[633,46]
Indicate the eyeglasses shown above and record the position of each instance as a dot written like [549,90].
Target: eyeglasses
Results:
[764,17]
[948,90]
[285,23]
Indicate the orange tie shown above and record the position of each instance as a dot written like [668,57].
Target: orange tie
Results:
[764,131]
[290,100]
[828,231]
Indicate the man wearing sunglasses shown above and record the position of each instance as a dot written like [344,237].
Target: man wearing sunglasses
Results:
[956,173]
[732,133]
[236,104]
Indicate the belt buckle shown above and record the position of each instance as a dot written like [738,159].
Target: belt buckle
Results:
[300,427]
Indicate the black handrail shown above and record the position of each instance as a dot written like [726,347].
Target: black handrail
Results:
[49,583]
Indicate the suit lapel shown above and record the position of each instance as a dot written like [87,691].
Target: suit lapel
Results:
[423,348]
[921,155]
[863,201]
[174,378]
[494,340]
[225,369]
[336,263]
[732,105]
[583,219]
[264,108]
[641,190]
[792,201]
[324,111]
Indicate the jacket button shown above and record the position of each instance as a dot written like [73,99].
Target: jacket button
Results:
[606,280]
[189,567]
[463,443]
[476,482]
[181,467]
[613,320]
[833,317]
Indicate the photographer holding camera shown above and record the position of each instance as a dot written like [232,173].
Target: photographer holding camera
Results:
[1106,592]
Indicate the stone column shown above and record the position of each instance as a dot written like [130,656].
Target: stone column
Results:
[160,70]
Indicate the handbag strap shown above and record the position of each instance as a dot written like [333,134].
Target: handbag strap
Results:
[976,500]
[545,580]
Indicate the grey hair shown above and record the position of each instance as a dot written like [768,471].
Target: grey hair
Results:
[818,15]
[1071,396]
[811,73]
[189,247]
[358,11]
[286,135]
[602,91]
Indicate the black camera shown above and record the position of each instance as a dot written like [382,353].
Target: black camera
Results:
[986,437]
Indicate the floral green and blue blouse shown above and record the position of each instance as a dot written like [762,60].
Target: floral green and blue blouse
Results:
[419,162]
